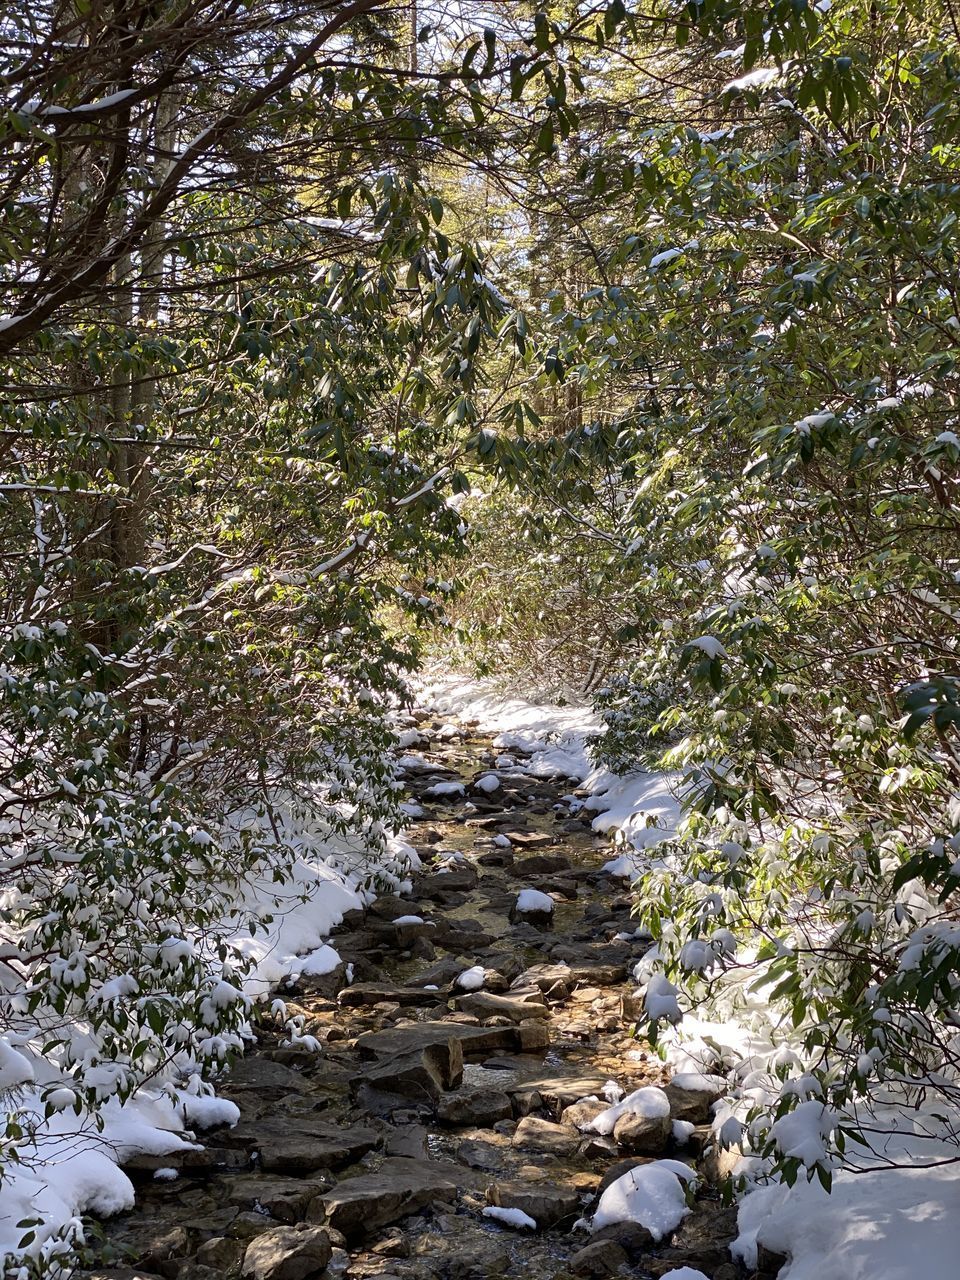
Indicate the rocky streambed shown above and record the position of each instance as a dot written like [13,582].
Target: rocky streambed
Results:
[442,1133]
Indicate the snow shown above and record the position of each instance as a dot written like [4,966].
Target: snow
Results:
[532,900]
[510,1217]
[649,1103]
[471,979]
[488,783]
[408,920]
[440,789]
[897,1224]
[709,645]
[652,1195]
[683,1273]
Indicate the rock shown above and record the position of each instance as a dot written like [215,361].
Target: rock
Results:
[481,1107]
[618,1170]
[485,1005]
[534,1034]
[594,1147]
[417,1076]
[693,1105]
[459,879]
[220,1253]
[464,1041]
[534,1134]
[542,864]
[480,1155]
[546,1205]
[266,1079]
[400,1187]
[287,1253]
[558,1092]
[582,1112]
[410,1140]
[370,993]
[642,1135]
[192,1160]
[599,1258]
[287,1199]
[548,977]
[301,1144]
[630,1236]
[440,1040]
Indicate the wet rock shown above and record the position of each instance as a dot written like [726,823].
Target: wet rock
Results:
[594,1147]
[400,1187]
[599,1258]
[287,1253]
[535,1134]
[482,1107]
[547,977]
[546,1205]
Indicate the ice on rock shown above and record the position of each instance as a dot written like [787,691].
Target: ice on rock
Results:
[652,1195]
[650,1103]
[532,900]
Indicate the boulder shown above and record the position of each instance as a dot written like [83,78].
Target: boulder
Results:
[302,1145]
[690,1104]
[581,1113]
[287,1253]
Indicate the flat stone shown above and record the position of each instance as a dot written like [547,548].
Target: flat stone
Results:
[301,1144]
[370,993]
[400,1187]
[536,1134]
[287,1199]
[265,1078]
[466,1042]
[483,1004]
[542,864]
[459,879]
[480,1107]
[558,1092]
[287,1253]
[546,1205]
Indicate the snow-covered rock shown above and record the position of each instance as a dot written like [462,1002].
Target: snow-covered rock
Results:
[651,1195]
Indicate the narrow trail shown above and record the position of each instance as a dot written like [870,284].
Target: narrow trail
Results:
[430,1104]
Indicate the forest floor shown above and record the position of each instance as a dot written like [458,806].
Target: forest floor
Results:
[448,1129]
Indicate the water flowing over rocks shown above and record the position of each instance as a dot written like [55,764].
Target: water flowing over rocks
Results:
[464,1064]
